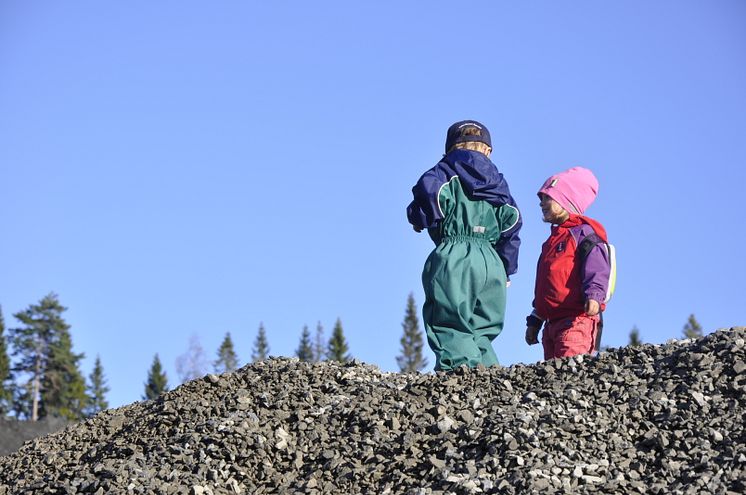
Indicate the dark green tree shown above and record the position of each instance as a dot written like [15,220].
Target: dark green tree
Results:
[318,345]
[634,337]
[305,350]
[227,358]
[63,386]
[692,329]
[51,381]
[157,380]
[30,344]
[261,347]
[23,400]
[337,350]
[6,395]
[97,389]
[411,359]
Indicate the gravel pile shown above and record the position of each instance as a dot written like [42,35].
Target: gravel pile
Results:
[650,419]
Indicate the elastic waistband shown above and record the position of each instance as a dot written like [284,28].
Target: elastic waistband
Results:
[464,238]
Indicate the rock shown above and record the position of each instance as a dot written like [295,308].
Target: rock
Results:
[445,424]
[654,418]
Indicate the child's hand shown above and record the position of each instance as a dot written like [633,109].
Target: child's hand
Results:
[592,307]
[532,335]
[416,229]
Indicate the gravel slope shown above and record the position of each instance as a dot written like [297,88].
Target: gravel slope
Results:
[650,419]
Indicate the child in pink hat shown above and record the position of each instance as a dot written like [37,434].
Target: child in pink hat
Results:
[573,274]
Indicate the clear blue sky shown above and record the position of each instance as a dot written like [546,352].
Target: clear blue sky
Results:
[186,168]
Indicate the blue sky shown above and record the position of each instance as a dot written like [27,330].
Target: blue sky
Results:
[172,169]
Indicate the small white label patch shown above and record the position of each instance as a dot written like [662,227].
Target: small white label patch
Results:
[478,229]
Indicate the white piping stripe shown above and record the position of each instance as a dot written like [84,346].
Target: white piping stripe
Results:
[440,210]
[518,216]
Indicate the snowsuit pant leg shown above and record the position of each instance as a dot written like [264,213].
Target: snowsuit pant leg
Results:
[570,336]
[464,284]
[489,311]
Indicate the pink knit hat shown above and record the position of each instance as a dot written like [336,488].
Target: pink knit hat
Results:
[574,189]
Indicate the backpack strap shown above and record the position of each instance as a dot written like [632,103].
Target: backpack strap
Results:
[599,331]
[587,244]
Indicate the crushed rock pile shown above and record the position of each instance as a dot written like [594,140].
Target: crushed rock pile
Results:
[649,419]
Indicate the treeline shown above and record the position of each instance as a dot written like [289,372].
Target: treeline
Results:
[692,330]
[43,378]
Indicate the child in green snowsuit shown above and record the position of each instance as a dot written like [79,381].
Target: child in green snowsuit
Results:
[465,204]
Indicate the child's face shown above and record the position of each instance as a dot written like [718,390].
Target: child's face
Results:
[552,211]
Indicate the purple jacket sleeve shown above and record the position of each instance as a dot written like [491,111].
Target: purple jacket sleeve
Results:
[596,271]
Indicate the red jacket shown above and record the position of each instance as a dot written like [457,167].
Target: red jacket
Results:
[562,284]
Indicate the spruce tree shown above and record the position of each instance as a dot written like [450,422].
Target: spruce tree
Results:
[193,363]
[261,347]
[63,386]
[634,337]
[6,395]
[97,389]
[227,359]
[692,329]
[44,359]
[337,349]
[305,350]
[318,345]
[157,380]
[411,359]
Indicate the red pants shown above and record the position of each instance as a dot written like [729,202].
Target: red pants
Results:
[570,336]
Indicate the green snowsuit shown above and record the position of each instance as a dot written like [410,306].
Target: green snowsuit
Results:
[465,280]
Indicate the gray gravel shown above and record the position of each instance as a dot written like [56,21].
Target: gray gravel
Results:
[651,419]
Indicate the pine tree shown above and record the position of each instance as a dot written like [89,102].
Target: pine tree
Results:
[692,329]
[157,380]
[6,396]
[43,348]
[227,359]
[193,363]
[30,348]
[63,386]
[634,337]
[305,350]
[337,349]
[23,394]
[261,347]
[318,345]
[411,359]
[97,389]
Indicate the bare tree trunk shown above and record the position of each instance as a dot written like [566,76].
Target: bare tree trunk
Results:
[35,406]
[35,393]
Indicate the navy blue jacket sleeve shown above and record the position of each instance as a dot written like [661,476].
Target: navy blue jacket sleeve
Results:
[424,210]
[508,245]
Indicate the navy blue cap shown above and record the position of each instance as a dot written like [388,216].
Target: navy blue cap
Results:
[456,134]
